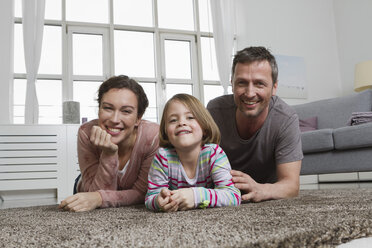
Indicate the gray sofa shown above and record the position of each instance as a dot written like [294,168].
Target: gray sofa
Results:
[336,147]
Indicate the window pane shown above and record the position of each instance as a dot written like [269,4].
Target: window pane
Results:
[19,87]
[86,93]
[53,9]
[51,54]
[151,111]
[137,13]
[87,11]
[173,89]
[213,91]
[176,14]
[209,61]
[177,59]
[49,94]
[134,54]
[19,114]
[19,99]
[17,8]
[205,16]
[87,54]
[19,55]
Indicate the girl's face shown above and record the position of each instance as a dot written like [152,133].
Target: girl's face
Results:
[182,129]
[118,114]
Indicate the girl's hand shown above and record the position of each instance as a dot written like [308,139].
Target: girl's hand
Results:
[81,202]
[184,198]
[164,202]
[102,139]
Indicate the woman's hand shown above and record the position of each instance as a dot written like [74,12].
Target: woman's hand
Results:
[164,202]
[184,198]
[81,202]
[102,139]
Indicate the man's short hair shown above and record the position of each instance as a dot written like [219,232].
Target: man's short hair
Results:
[252,54]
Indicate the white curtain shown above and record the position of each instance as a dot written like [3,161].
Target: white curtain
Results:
[33,26]
[223,32]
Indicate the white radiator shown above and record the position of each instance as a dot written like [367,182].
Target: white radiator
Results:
[38,157]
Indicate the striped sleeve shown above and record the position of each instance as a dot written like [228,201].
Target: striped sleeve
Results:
[224,192]
[157,179]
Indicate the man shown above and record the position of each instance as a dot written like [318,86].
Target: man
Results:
[260,132]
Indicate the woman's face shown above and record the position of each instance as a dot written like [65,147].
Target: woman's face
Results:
[118,114]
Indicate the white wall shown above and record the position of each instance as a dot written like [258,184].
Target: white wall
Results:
[304,28]
[354,34]
[6,61]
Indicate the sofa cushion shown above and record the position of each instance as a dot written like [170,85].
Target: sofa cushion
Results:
[309,124]
[317,141]
[351,137]
[335,112]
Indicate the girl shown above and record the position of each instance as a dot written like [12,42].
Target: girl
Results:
[115,151]
[189,170]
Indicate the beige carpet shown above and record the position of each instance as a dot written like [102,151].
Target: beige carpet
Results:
[314,219]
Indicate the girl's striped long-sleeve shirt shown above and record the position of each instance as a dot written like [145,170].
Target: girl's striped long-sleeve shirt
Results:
[212,184]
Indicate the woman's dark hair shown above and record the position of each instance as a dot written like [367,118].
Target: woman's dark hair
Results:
[120,82]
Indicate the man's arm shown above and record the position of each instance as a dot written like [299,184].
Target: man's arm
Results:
[287,186]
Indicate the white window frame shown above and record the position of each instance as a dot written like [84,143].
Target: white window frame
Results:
[71,30]
[193,59]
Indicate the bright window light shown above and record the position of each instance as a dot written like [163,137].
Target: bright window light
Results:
[151,111]
[87,54]
[177,59]
[205,16]
[87,93]
[176,14]
[19,54]
[49,94]
[136,13]
[209,61]
[53,9]
[173,89]
[51,53]
[134,54]
[213,91]
[95,11]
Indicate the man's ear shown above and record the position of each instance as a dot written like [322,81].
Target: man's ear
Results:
[275,87]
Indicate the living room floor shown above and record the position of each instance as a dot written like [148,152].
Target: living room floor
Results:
[358,243]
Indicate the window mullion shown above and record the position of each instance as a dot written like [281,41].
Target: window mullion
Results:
[160,86]
[111,40]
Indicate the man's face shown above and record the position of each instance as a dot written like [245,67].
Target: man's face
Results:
[253,87]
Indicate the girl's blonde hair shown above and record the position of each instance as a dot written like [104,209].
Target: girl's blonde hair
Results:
[211,133]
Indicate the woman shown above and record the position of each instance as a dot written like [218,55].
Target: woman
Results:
[115,151]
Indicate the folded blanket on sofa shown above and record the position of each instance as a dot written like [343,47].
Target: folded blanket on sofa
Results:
[360,118]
